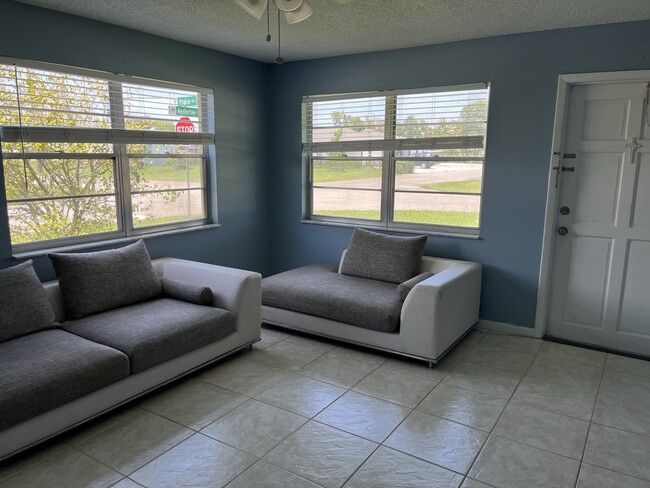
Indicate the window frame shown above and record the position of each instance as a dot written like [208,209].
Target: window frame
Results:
[389,163]
[121,158]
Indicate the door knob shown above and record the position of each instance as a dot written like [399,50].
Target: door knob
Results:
[563,231]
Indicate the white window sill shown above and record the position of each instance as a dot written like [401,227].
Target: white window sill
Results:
[110,242]
[394,229]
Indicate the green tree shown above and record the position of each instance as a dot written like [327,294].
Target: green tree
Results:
[36,187]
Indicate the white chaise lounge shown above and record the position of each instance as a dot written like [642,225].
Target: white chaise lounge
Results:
[422,319]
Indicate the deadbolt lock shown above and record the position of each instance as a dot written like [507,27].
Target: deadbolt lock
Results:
[563,231]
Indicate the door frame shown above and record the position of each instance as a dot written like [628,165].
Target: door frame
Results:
[565,82]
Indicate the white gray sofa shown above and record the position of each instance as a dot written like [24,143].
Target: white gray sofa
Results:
[421,318]
[123,375]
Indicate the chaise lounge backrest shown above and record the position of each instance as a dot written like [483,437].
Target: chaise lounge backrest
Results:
[428,263]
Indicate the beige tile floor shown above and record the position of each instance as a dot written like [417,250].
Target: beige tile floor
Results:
[500,411]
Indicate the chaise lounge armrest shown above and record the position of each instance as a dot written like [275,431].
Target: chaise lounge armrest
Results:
[235,290]
[449,299]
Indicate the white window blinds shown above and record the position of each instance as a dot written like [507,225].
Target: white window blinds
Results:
[399,120]
[68,105]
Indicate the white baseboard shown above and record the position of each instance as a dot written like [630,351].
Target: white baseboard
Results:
[506,328]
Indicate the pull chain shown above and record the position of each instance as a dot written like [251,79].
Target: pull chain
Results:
[279,59]
[268,23]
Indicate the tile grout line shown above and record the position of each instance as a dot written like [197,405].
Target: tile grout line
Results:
[413,409]
[591,418]
[380,444]
[491,433]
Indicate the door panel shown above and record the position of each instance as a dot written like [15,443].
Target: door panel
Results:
[635,306]
[597,187]
[585,294]
[605,120]
[600,281]
[641,206]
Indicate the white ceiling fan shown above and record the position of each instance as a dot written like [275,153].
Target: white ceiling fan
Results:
[294,10]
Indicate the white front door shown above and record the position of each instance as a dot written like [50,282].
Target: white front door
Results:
[600,282]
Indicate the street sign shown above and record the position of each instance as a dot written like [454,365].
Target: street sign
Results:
[184,125]
[189,101]
[187,111]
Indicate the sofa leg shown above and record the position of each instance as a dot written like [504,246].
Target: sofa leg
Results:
[430,364]
[250,347]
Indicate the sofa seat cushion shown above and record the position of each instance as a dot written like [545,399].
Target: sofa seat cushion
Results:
[319,290]
[47,369]
[153,332]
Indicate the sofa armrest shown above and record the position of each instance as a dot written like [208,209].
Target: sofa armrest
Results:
[440,309]
[236,290]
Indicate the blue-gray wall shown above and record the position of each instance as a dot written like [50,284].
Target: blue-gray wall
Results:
[258,135]
[241,121]
[523,70]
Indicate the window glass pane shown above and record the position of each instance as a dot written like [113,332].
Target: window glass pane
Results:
[354,204]
[166,207]
[346,120]
[45,178]
[162,149]
[164,173]
[440,176]
[50,99]
[46,215]
[442,114]
[349,173]
[157,108]
[70,189]
[56,147]
[43,220]
[437,209]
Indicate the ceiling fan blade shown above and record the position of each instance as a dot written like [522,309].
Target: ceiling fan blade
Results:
[288,5]
[343,2]
[301,13]
[254,7]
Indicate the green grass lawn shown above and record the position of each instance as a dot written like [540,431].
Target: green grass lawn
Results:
[165,172]
[435,217]
[326,175]
[162,220]
[464,186]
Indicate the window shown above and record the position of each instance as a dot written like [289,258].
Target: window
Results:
[92,156]
[400,159]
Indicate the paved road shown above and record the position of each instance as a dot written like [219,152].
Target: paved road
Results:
[352,199]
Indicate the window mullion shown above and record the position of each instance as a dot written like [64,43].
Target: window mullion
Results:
[122,173]
[388,173]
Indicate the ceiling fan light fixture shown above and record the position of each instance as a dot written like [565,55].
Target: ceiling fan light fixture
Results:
[288,5]
[301,13]
[254,7]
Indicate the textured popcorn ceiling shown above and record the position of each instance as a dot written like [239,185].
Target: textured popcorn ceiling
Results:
[359,26]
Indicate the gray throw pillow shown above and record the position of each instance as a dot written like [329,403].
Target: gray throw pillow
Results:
[405,288]
[383,257]
[187,292]
[94,282]
[24,307]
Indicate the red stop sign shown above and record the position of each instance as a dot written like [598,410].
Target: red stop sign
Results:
[184,125]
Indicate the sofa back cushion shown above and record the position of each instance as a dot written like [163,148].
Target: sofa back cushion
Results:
[382,257]
[94,282]
[24,308]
